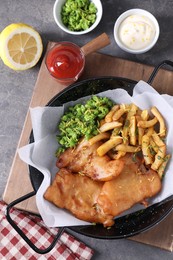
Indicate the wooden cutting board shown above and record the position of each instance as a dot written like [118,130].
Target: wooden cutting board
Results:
[97,64]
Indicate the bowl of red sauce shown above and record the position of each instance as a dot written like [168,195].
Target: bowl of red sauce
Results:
[65,61]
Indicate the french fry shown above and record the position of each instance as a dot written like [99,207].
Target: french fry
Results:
[102,122]
[157,139]
[144,114]
[108,117]
[117,114]
[157,114]
[147,124]
[116,131]
[138,112]
[125,131]
[109,126]
[150,131]
[148,158]
[108,145]
[125,106]
[132,130]
[132,110]
[127,148]
[159,158]
[99,137]
[154,145]
[140,131]
[163,165]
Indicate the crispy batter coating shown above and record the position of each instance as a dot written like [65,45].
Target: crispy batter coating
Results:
[84,159]
[78,194]
[132,186]
[100,202]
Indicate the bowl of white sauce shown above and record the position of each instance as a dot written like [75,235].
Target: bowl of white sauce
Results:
[136,31]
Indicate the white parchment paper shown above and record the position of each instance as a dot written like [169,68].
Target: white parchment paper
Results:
[40,154]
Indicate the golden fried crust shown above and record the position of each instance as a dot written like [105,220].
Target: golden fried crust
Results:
[78,194]
[100,202]
[133,185]
[84,159]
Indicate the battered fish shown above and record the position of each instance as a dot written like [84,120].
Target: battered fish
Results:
[101,202]
[78,194]
[84,159]
[132,186]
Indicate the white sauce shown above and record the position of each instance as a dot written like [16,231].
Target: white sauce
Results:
[136,32]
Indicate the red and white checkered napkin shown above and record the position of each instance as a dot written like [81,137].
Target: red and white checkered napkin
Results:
[13,247]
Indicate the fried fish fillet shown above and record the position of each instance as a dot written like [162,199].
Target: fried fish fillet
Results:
[132,186]
[84,159]
[101,202]
[78,194]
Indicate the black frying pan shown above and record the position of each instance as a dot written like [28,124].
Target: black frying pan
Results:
[125,226]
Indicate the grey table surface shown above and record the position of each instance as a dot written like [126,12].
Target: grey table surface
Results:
[16,89]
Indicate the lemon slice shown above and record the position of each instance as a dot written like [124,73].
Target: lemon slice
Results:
[20,46]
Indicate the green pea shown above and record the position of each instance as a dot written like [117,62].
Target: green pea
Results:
[78,15]
[82,120]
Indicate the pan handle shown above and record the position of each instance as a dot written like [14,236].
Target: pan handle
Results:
[22,234]
[156,69]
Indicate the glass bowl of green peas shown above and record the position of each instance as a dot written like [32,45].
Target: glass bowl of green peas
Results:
[77,16]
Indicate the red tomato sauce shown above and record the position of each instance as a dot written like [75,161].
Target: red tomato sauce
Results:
[65,61]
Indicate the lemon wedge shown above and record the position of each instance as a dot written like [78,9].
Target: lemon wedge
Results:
[20,46]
